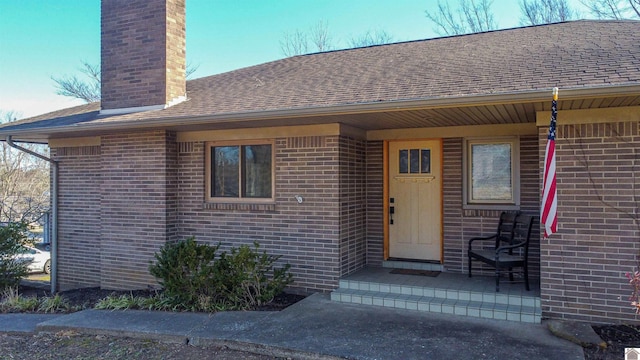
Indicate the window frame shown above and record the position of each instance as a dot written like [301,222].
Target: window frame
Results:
[467,183]
[243,200]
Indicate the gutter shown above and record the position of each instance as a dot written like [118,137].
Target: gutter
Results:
[54,210]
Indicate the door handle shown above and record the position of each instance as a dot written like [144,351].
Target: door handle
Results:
[392,210]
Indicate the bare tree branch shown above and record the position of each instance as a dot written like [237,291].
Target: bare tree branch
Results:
[471,16]
[294,43]
[190,70]
[635,6]
[537,12]
[369,38]
[613,9]
[445,23]
[299,42]
[478,16]
[87,87]
[583,159]
[24,181]
[320,36]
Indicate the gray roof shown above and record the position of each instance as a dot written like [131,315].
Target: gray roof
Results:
[569,55]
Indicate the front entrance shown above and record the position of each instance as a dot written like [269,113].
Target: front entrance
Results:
[415,200]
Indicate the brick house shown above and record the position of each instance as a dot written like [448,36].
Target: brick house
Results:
[308,154]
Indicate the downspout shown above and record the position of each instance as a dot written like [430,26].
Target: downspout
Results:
[54,210]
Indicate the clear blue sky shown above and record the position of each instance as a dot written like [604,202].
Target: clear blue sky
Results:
[44,38]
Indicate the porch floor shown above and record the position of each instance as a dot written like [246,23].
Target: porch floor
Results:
[449,293]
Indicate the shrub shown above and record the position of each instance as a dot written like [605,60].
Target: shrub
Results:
[184,270]
[12,269]
[195,279]
[247,278]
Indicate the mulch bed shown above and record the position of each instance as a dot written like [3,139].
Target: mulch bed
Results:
[617,337]
[89,297]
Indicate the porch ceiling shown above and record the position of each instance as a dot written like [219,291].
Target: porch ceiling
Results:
[480,115]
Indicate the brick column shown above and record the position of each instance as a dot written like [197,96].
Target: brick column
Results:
[138,205]
[597,242]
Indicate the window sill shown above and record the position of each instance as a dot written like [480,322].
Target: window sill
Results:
[505,207]
[240,206]
[487,210]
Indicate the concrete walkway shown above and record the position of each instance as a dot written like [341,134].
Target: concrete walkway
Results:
[317,328]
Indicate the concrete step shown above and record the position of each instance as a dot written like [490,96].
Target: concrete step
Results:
[488,305]
[415,265]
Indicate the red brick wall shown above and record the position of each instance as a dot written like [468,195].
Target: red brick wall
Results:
[137,205]
[314,236]
[375,203]
[352,205]
[117,207]
[460,225]
[143,52]
[79,185]
[584,264]
[148,197]
[176,50]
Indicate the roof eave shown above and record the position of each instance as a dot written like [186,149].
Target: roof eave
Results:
[343,109]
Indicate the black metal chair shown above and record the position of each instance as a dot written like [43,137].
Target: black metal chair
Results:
[510,247]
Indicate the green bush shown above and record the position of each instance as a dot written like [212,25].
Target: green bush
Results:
[247,278]
[184,270]
[195,278]
[12,236]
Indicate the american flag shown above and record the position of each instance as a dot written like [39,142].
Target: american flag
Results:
[549,216]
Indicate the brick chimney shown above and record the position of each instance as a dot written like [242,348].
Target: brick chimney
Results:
[143,54]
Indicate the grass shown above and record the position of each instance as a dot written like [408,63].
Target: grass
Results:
[11,302]
[159,302]
[125,302]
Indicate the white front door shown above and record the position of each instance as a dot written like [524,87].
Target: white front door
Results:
[415,200]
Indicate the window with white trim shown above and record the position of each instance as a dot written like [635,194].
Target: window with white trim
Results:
[240,172]
[491,173]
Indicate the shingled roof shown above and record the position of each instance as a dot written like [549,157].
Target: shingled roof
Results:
[570,55]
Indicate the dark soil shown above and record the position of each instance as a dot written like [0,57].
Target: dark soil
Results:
[73,345]
[617,337]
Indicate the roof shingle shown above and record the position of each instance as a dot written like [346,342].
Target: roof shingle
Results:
[579,54]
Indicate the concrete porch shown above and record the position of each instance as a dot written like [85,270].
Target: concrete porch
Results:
[447,293]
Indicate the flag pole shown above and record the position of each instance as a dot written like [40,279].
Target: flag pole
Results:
[548,210]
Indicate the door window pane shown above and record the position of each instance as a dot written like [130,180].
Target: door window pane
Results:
[225,171]
[425,161]
[414,157]
[257,171]
[404,162]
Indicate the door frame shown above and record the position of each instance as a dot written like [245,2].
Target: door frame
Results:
[385,195]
